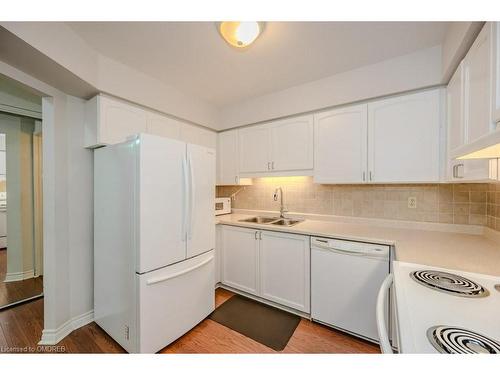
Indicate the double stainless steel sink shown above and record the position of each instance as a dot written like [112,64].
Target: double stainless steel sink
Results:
[272,221]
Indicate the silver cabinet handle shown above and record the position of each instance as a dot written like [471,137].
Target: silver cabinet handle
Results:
[260,236]
[268,165]
[255,235]
[458,166]
[364,176]
[272,165]
[236,180]
[454,171]
[371,176]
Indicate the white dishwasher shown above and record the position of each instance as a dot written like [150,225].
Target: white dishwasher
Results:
[345,279]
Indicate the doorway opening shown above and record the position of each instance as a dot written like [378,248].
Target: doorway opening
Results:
[21,220]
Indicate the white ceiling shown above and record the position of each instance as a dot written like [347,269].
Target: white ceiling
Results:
[192,57]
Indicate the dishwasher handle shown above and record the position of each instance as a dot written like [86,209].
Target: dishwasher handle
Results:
[385,344]
[365,251]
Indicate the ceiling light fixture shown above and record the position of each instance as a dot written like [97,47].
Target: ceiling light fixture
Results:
[240,34]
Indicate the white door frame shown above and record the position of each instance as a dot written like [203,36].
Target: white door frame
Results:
[51,98]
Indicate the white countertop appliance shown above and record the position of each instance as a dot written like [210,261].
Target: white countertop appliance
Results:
[345,279]
[154,240]
[445,311]
[222,206]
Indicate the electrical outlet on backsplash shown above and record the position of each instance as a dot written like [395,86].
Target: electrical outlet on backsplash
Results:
[475,204]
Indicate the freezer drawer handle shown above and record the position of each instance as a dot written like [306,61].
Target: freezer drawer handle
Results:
[385,345]
[165,278]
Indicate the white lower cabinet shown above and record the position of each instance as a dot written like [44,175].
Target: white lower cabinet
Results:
[240,252]
[284,261]
[272,265]
[218,254]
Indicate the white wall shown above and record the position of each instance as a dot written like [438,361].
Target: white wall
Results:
[409,72]
[80,211]
[67,208]
[59,42]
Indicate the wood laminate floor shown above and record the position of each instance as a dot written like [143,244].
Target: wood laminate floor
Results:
[21,327]
[14,291]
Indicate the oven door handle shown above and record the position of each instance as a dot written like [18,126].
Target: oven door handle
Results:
[385,344]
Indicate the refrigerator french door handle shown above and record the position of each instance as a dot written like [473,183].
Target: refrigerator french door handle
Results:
[186,198]
[191,198]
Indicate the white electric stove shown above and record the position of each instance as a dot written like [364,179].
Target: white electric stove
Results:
[446,311]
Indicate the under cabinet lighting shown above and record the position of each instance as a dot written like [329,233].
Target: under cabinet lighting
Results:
[490,152]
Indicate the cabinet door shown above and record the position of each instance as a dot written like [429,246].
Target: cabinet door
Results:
[285,269]
[119,120]
[455,110]
[254,149]
[472,170]
[403,138]
[292,144]
[340,145]
[164,126]
[3,164]
[227,158]
[240,249]
[477,74]
[495,54]
[218,254]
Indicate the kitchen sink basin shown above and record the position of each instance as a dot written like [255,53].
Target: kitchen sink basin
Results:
[260,220]
[286,222]
[271,220]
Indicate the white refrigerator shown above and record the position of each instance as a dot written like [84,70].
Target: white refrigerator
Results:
[154,240]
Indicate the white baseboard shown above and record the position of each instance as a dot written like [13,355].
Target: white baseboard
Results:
[19,276]
[53,336]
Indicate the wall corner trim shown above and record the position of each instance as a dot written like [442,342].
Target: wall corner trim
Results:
[53,336]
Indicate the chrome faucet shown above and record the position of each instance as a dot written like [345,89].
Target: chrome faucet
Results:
[282,206]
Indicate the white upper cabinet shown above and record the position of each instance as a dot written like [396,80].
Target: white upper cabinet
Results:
[292,144]
[278,146]
[455,113]
[254,149]
[461,170]
[477,87]
[495,54]
[164,126]
[109,121]
[404,138]
[385,141]
[340,145]
[227,159]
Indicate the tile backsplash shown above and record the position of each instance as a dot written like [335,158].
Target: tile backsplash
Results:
[477,204]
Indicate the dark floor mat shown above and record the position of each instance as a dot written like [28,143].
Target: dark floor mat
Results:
[265,324]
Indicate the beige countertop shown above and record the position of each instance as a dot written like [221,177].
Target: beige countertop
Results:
[437,245]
